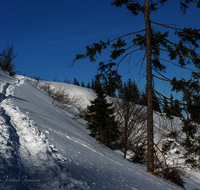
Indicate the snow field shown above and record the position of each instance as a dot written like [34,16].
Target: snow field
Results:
[46,145]
[30,147]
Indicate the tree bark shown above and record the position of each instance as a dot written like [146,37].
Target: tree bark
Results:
[150,143]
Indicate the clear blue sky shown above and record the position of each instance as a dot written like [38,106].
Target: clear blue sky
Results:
[48,33]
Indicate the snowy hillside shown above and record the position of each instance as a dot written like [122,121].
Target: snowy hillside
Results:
[43,148]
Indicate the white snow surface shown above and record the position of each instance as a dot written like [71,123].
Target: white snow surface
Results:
[43,148]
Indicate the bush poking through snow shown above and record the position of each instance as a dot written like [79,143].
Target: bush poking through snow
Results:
[61,98]
[171,175]
[37,80]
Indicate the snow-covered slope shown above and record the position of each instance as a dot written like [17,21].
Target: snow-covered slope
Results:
[43,148]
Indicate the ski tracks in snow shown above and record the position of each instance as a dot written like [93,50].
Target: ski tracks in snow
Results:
[25,152]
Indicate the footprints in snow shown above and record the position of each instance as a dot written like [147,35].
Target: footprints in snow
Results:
[25,149]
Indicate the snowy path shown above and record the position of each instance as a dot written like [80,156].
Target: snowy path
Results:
[28,160]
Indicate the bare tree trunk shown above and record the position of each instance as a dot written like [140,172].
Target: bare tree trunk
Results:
[150,154]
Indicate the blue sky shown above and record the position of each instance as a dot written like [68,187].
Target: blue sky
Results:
[48,33]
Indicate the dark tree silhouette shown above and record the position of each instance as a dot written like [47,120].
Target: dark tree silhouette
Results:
[6,60]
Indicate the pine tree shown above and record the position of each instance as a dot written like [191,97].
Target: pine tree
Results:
[88,84]
[75,81]
[166,106]
[111,80]
[136,93]
[152,42]
[93,84]
[82,84]
[155,101]
[191,143]
[171,104]
[129,90]
[156,104]
[100,118]
[176,109]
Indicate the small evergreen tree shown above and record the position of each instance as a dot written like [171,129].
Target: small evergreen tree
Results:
[191,142]
[100,118]
[110,78]
[93,84]
[82,84]
[75,81]
[88,84]
[176,109]
[155,101]
[130,90]
[166,106]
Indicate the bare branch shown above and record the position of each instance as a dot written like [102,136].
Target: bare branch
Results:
[127,35]
[176,64]
[127,55]
[161,78]
[165,25]
[161,74]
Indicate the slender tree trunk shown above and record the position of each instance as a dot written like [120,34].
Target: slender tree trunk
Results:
[125,139]
[150,154]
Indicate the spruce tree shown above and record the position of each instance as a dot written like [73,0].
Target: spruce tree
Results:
[152,41]
[129,90]
[111,80]
[191,143]
[93,84]
[75,81]
[165,106]
[155,101]
[88,84]
[82,84]
[176,109]
[100,117]
[136,93]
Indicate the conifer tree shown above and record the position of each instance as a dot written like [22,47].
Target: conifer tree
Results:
[152,42]
[176,109]
[100,117]
[171,104]
[129,89]
[155,101]
[93,84]
[82,84]
[165,106]
[75,81]
[136,93]
[88,84]
[191,143]
[110,78]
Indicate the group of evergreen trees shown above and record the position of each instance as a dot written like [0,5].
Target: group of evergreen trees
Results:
[172,107]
